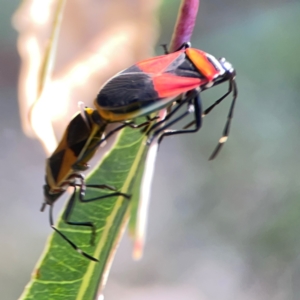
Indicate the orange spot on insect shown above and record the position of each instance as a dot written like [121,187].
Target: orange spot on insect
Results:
[201,62]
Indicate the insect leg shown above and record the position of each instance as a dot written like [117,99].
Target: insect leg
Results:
[165,48]
[65,238]
[82,188]
[198,121]
[210,108]
[98,186]
[130,124]
[226,129]
[67,215]
[194,106]
[78,167]
[144,124]
[183,46]
[191,95]
[112,132]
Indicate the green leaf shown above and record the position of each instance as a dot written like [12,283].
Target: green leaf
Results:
[62,273]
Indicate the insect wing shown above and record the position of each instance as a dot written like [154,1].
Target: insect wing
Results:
[160,64]
[170,85]
[147,86]
[71,146]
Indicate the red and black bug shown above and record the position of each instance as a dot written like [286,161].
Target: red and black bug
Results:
[156,83]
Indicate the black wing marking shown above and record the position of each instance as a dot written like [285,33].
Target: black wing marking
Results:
[78,133]
[55,162]
[184,68]
[127,92]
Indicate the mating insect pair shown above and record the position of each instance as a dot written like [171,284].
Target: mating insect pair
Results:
[146,87]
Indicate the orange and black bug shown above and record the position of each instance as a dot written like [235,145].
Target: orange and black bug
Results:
[79,143]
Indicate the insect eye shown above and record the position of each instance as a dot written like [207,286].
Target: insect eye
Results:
[227,68]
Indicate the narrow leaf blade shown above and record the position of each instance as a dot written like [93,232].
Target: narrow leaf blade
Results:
[62,273]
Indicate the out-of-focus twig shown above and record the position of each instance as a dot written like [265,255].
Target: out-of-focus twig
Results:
[185,23]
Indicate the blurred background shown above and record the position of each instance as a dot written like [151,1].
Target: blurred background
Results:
[222,229]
